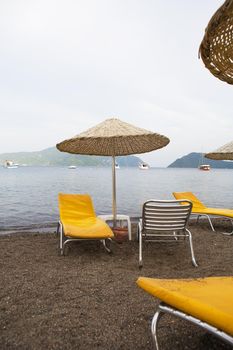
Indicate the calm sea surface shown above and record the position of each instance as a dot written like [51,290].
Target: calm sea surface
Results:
[29,194]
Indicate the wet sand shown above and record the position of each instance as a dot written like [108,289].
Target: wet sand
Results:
[88,299]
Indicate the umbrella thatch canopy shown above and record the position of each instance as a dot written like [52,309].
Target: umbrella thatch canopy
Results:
[223,153]
[216,49]
[113,137]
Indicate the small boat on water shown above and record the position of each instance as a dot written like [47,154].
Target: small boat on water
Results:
[205,167]
[144,166]
[9,164]
[202,166]
[72,167]
[117,166]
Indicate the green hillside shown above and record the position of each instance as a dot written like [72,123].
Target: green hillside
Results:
[53,157]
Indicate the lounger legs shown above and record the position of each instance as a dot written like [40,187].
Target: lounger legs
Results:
[58,229]
[208,218]
[191,248]
[154,327]
[164,308]
[229,233]
[212,226]
[210,222]
[105,246]
[63,241]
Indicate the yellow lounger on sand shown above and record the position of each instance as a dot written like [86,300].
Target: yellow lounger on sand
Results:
[201,210]
[78,220]
[207,302]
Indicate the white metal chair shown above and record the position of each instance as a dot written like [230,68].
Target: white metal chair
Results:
[165,221]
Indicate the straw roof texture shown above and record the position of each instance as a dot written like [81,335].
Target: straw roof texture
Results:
[223,153]
[113,137]
[216,49]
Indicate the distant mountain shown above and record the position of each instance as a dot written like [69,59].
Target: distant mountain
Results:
[53,157]
[192,160]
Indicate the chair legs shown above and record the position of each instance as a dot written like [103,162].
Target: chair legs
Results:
[188,233]
[140,244]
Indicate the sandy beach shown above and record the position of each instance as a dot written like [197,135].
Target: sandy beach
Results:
[89,299]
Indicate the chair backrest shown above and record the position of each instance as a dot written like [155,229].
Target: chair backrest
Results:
[197,204]
[75,206]
[165,215]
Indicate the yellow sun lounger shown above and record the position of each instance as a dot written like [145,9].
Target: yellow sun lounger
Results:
[78,221]
[206,302]
[200,209]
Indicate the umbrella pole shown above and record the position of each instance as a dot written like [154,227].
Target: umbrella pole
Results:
[114,191]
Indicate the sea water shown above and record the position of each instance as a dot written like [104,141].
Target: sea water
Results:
[28,195]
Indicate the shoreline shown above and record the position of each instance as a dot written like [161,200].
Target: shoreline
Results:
[52,227]
[43,228]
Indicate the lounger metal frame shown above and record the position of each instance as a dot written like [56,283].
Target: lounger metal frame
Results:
[211,224]
[66,239]
[164,308]
[165,219]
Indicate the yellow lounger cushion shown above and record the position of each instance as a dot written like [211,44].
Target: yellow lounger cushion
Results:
[88,228]
[75,206]
[199,207]
[208,299]
[78,217]
[216,211]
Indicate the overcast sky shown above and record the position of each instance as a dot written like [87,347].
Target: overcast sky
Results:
[66,65]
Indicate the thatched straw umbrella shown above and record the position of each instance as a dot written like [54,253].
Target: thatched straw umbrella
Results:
[216,49]
[223,153]
[113,137]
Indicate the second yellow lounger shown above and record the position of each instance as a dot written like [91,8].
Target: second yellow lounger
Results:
[200,209]
[78,221]
[206,302]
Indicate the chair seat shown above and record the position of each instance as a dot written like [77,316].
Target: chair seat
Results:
[208,299]
[91,228]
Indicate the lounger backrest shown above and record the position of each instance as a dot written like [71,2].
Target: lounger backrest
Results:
[197,204]
[165,215]
[75,206]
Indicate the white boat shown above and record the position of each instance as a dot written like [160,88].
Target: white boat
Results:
[201,166]
[9,164]
[144,166]
[72,167]
[205,167]
[117,166]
